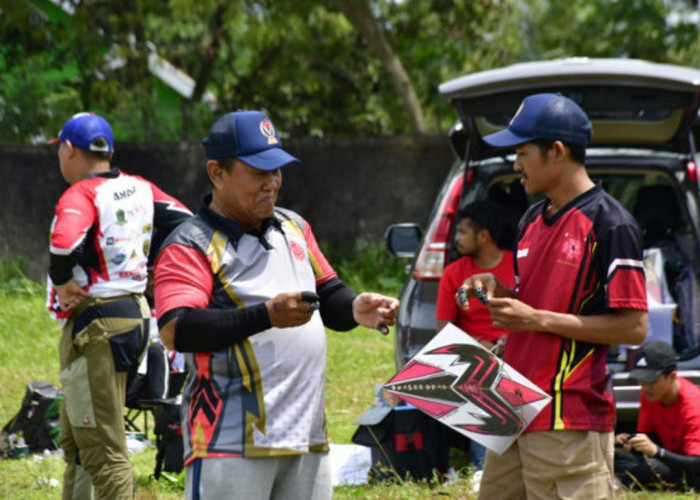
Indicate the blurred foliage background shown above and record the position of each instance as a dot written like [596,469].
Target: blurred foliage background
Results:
[319,68]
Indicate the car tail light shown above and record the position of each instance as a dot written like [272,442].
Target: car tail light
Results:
[691,170]
[433,255]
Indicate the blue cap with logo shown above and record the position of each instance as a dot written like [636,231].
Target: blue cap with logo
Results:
[84,131]
[249,136]
[545,116]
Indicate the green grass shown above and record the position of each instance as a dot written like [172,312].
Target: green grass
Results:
[357,360]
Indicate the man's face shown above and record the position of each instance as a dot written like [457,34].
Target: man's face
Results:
[466,237]
[532,166]
[247,195]
[655,390]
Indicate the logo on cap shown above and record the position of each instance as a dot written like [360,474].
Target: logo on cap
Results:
[268,130]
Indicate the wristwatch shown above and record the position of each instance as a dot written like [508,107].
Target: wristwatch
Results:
[660,453]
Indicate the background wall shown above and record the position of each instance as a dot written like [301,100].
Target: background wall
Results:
[346,188]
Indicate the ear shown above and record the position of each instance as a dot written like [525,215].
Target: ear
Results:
[71,150]
[559,151]
[483,235]
[215,173]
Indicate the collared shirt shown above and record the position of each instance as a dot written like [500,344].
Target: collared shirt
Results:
[265,395]
[102,234]
[584,260]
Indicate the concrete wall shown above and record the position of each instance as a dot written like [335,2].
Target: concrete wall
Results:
[346,188]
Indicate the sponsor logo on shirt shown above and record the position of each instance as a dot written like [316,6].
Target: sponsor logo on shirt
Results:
[119,258]
[121,195]
[297,251]
[121,217]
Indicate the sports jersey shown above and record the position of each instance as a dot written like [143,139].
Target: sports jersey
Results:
[263,396]
[677,425]
[585,260]
[102,234]
[477,320]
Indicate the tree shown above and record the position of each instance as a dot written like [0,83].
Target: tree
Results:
[359,13]
[342,68]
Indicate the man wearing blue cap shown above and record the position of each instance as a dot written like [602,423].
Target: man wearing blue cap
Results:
[580,287]
[243,289]
[104,228]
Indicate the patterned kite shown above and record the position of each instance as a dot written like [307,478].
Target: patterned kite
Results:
[457,381]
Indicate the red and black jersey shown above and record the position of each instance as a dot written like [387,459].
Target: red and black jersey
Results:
[586,260]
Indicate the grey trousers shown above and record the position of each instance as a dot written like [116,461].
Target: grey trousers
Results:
[297,477]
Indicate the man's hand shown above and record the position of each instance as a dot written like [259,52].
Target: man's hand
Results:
[375,311]
[484,286]
[513,315]
[290,309]
[643,444]
[622,441]
[70,295]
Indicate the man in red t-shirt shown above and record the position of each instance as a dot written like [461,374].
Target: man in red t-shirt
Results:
[479,228]
[477,237]
[666,448]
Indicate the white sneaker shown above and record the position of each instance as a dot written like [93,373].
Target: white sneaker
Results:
[475,482]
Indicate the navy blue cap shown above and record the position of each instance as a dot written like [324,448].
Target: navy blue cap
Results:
[82,130]
[654,358]
[545,116]
[250,137]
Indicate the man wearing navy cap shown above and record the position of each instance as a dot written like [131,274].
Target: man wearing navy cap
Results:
[103,232]
[243,289]
[665,451]
[580,287]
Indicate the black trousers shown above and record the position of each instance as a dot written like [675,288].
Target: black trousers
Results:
[634,470]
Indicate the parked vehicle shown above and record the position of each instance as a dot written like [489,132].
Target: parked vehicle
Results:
[643,151]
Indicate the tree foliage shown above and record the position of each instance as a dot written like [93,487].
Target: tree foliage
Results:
[315,67]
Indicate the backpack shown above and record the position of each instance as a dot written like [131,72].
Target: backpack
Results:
[37,420]
[170,447]
[405,443]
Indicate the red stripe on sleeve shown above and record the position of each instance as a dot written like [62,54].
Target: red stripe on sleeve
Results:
[182,279]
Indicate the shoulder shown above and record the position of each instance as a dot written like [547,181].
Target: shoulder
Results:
[284,214]
[193,232]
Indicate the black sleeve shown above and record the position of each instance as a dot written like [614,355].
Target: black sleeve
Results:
[165,219]
[688,463]
[336,305]
[207,330]
[61,268]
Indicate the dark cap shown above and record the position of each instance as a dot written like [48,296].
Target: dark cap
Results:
[83,131]
[653,358]
[550,117]
[248,136]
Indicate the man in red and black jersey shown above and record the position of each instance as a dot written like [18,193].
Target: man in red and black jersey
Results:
[106,227]
[580,287]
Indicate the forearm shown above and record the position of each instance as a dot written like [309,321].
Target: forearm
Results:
[61,268]
[688,463]
[207,330]
[336,305]
[626,326]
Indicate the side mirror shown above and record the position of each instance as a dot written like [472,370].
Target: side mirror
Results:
[402,240]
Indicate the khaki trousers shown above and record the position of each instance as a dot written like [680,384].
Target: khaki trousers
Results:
[551,465]
[100,344]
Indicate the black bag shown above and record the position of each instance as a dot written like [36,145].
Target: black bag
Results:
[168,431]
[405,444]
[37,419]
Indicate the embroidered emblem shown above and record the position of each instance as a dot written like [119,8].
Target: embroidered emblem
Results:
[297,251]
[268,130]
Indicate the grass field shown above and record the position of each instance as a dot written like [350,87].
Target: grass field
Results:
[356,361]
